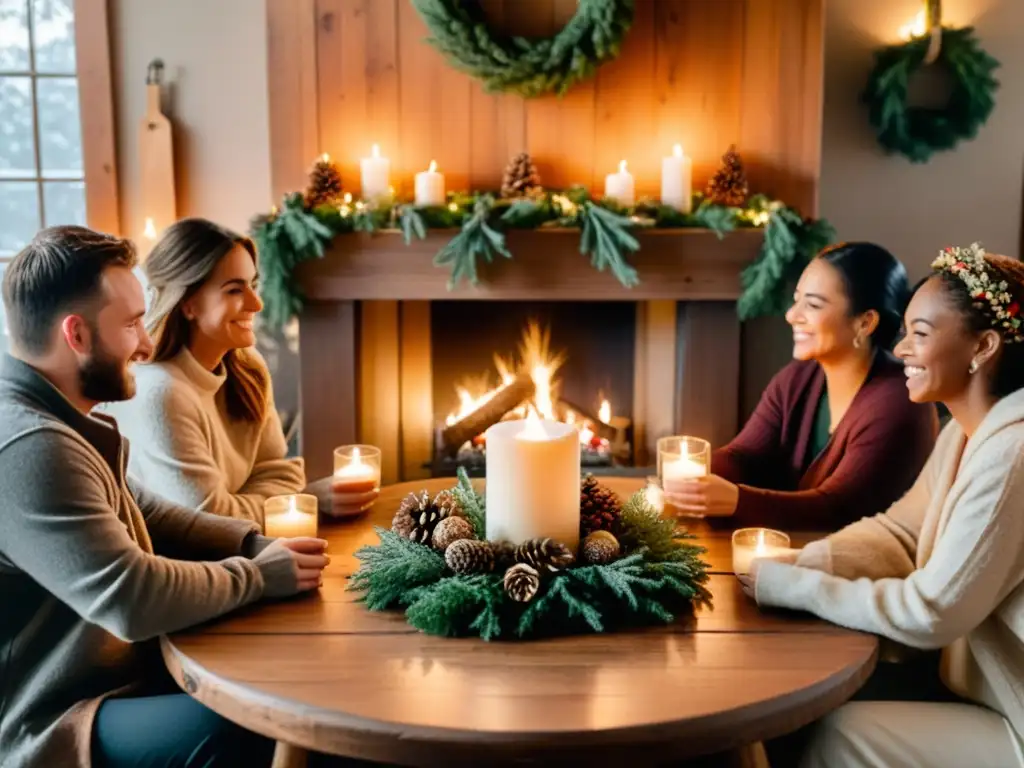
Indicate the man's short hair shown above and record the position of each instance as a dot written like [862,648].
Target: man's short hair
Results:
[58,273]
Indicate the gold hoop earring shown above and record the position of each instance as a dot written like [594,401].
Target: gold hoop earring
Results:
[973,368]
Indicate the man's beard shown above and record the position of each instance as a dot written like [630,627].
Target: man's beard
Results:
[105,379]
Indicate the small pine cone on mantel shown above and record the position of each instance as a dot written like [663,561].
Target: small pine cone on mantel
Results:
[521,582]
[546,555]
[467,556]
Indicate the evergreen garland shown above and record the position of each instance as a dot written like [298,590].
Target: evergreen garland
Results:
[458,29]
[477,238]
[918,132]
[660,577]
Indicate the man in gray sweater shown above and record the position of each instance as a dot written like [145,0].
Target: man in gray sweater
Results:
[93,568]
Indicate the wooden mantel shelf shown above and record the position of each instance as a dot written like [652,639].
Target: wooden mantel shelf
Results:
[679,264]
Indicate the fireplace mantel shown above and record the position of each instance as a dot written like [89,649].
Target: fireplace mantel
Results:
[365,332]
[546,265]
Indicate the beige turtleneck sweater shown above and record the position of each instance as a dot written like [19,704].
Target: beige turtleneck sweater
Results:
[187,449]
[942,568]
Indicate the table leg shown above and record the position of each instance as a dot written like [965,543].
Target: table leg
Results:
[289,756]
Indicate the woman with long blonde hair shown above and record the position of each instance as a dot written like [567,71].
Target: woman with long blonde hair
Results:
[203,428]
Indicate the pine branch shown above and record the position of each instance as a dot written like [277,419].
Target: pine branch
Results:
[459,605]
[412,224]
[471,503]
[643,528]
[528,213]
[604,237]
[390,571]
[477,238]
[719,219]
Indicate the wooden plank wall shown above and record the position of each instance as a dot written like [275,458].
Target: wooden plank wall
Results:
[704,73]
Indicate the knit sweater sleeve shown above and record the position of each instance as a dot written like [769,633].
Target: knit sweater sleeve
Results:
[273,472]
[757,443]
[180,533]
[881,459]
[58,527]
[977,561]
[180,465]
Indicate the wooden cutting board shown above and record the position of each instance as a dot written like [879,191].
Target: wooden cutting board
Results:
[156,154]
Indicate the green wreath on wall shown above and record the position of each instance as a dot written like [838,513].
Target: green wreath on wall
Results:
[527,67]
[917,132]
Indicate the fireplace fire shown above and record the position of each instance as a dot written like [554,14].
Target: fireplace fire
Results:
[529,380]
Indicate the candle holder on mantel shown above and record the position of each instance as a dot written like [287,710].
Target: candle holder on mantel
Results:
[682,458]
[290,516]
[356,479]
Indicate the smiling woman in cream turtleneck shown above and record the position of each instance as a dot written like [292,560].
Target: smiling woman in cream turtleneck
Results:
[203,428]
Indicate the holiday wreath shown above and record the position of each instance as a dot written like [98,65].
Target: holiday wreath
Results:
[633,568]
[529,68]
[918,131]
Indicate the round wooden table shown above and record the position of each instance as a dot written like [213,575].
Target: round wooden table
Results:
[321,672]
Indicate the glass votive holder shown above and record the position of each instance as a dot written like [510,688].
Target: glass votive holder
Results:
[681,458]
[751,543]
[290,516]
[356,479]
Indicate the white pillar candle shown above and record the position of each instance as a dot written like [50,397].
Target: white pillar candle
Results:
[619,186]
[290,516]
[533,481]
[430,186]
[374,174]
[751,543]
[676,180]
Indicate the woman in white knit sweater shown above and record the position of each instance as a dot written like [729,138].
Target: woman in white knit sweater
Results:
[203,428]
[944,566]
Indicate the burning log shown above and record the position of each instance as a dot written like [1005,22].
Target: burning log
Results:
[598,427]
[491,412]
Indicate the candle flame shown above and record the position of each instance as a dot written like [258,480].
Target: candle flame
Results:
[604,413]
[760,549]
[325,158]
[533,429]
[622,166]
[348,198]
[375,151]
[915,28]
[677,150]
[433,166]
[150,229]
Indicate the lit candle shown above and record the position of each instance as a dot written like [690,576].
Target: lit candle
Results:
[681,460]
[430,186]
[619,186]
[676,180]
[356,479]
[533,481]
[751,543]
[374,173]
[290,516]
[149,231]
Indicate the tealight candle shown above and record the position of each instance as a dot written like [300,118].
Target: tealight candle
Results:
[751,543]
[356,479]
[290,516]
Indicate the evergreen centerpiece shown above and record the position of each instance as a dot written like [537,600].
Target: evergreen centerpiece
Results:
[647,573]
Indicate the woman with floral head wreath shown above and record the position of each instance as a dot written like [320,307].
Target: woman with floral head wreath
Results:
[943,568]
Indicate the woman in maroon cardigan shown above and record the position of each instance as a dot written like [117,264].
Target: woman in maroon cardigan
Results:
[835,436]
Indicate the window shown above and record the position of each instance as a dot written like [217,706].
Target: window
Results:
[49,66]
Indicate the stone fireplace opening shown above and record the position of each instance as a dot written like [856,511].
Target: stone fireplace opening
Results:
[571,362]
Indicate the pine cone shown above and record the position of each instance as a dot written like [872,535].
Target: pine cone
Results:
[544,554]
[445,501]
[450,530]
[521,582]
[469,556]
[324,184]
[600,548]
[417,517]
[504,553]
[729,184]
[600,507]
[521,178]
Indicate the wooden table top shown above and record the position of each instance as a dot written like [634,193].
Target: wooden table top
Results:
[324,673]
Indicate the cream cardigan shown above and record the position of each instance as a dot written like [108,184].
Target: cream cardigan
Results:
[186,448]
[942,568]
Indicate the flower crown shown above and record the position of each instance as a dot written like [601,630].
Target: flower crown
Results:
[990,296]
